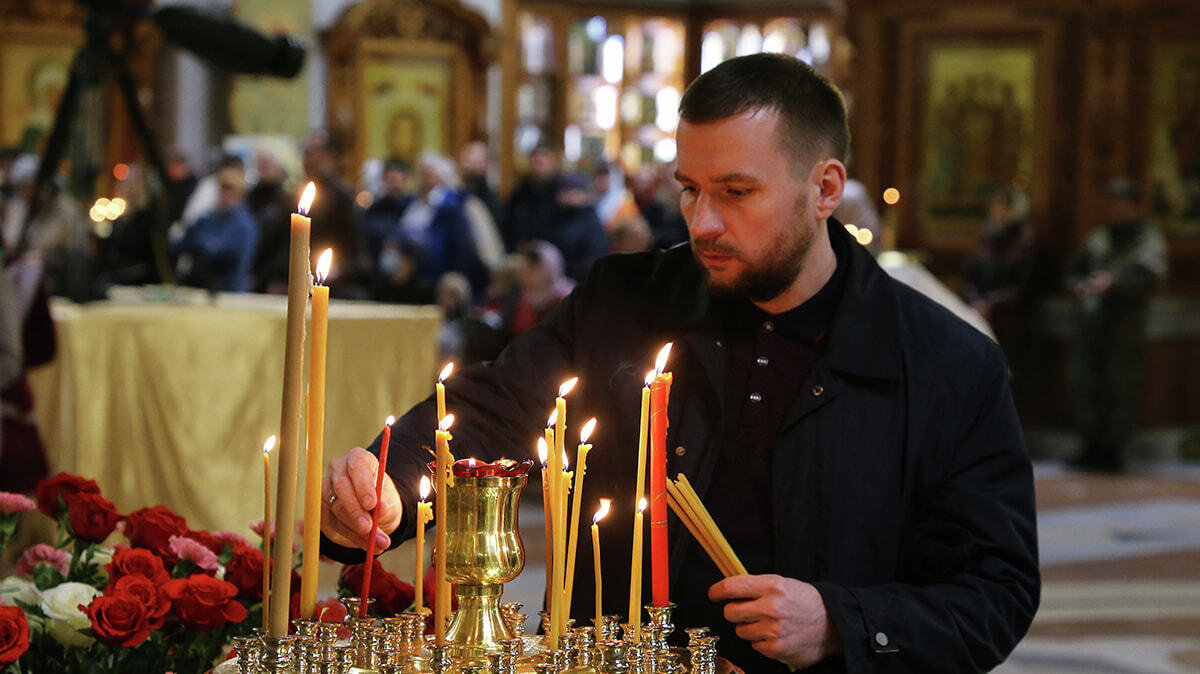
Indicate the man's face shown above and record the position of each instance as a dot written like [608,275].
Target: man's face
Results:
[231,184]
[748,213]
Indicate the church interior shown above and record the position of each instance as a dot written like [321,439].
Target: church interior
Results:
[992,145]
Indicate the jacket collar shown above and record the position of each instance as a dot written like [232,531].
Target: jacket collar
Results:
[863,337]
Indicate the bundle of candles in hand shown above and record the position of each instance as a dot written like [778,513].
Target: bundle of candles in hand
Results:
[699,522]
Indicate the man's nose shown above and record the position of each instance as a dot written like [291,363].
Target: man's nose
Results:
[705,221]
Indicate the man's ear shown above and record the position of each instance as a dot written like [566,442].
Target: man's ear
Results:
[830,178]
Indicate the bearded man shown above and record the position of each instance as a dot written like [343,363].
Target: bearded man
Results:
[855,442]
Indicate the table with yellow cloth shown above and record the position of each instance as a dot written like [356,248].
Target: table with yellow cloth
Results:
[169,402]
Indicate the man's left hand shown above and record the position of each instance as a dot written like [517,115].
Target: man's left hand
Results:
[783,618]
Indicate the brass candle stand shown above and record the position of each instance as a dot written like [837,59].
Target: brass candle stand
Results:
[483,551]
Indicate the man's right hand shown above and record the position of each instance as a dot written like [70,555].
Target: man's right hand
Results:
[348,496]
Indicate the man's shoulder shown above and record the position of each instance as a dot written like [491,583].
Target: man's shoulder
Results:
[935,339]
[665,272]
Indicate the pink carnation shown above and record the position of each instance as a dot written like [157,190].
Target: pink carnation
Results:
[257,528]
[230,538]
[15,504]
[43,554]
[195,552]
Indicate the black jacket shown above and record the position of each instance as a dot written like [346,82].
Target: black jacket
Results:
[902,456]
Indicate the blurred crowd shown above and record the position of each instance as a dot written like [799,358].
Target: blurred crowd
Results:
[435,231]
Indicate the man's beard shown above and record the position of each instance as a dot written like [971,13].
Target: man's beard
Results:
[769,278]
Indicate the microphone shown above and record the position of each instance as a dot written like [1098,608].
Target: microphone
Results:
[228,44]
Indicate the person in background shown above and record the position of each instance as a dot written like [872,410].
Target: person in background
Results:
[542,285]
[468,335]
[473,169]
[336,220]
[1113,278]
[217,252]
[577,231]
[183,183]
[385,211]
[59,234]
[271,201]
[532,205]
[999,273]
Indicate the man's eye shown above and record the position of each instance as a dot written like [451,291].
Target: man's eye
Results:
[687,189]
[736,192]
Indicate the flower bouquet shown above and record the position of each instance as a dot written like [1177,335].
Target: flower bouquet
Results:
[168,598]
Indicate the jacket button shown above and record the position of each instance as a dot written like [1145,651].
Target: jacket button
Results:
[754,398]
[768,326]
[680,450]
[762,361]
[817,391]
[881,638]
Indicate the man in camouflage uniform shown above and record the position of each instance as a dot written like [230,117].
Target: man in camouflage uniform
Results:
[1113,278]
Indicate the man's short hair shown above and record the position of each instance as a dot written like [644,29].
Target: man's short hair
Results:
[397,164]
[811,109]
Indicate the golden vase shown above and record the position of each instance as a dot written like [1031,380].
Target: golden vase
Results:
[483,551]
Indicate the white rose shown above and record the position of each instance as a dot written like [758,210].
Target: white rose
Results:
[14,589]
[61,604]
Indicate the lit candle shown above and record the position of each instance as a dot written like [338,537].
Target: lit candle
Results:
[558,496]
[424,515]
[643,427]
[440,388]
[290,412]
[315,446]
[441,599]
[600,513]
[543,449]
[635,579]
[581,459]
[660,393]
[380,472]
[266,547]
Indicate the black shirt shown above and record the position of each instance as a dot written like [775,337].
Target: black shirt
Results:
[767,359]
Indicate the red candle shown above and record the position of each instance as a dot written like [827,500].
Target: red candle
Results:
[660,393]
[383,451]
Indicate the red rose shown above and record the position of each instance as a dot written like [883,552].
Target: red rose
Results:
[245,570]
[14,634]
[136,562]
[147,593]
[119,620]
[91,516]
[153,528]
[204,603]
[391,594]
[63,485]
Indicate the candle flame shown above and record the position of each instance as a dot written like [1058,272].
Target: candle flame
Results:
[660,363]
[553,419]
[306,199]
[389,421]
[269,445]
[642,504]
[471,462]
[650,377]
[567,386]
[323,264]
[566,461]
[444,424]
[424,489]
[445,374]
[543,453]
[587,430]
[602,511]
